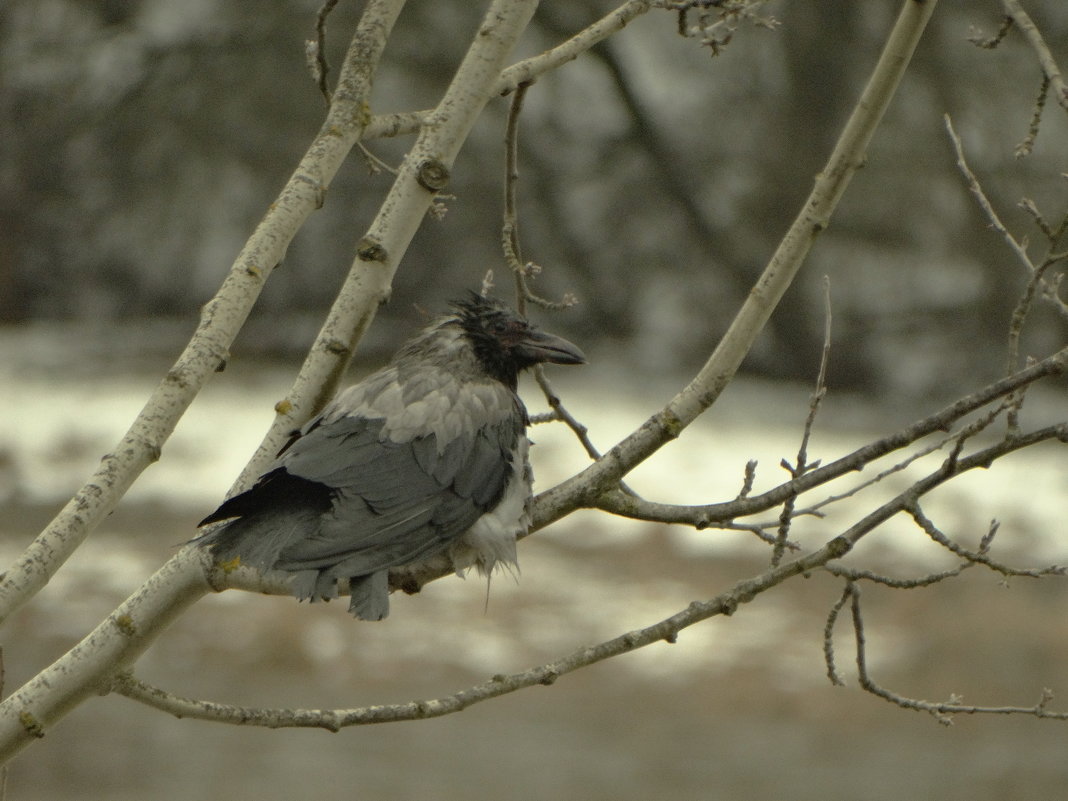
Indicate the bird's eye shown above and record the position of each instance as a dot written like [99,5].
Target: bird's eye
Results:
[498,326]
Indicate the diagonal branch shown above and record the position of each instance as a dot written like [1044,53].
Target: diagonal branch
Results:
[117,642]
[424,173]
[221,319]
[815,215]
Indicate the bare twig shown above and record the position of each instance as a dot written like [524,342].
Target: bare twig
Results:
[801,465]
[989,43]
[943,712]
[853,575]
[984,203]
[513,254]
[525,71]
[828,635]
[1017,247]
[1027,144]
[322,67]
[1038,44]
[521,272]
[977,557]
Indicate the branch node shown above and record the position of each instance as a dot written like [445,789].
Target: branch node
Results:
[432,175]
[367,249]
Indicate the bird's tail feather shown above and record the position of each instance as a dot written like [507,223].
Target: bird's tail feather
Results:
[369,596]
[257,540]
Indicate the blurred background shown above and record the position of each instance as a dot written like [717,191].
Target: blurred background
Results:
[141,142]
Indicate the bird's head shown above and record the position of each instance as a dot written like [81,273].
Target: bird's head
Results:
[505,343]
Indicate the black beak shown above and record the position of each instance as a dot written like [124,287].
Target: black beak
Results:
[538,346]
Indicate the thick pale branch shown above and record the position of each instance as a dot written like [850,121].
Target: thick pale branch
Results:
[118,641]
[424,173]
[115,643]
[848,155]
[220,321]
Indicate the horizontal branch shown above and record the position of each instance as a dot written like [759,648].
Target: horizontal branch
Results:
[666,630]
[704,515]
[942,711]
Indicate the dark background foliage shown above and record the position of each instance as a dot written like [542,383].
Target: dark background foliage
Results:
[142,141]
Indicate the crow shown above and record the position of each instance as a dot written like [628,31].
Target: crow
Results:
[427,456]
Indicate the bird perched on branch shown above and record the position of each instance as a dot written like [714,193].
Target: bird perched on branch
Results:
[426,456]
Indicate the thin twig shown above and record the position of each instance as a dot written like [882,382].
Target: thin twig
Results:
[987,208]
[977,557]
[513,254]
[828,635]
[1027,145]
[989,43]
[943,712]
[854,575]
[801,465]
[322,67]
[1038,44]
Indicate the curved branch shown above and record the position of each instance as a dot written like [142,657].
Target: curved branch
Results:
[221,319]
[942,711]
[815,215]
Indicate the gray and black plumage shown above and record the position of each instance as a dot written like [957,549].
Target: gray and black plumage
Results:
[426,456]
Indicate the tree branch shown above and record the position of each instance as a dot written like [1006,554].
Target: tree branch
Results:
[525,71]
[118,641]
[942,711]
[221,319]
[424,173]
[1038,44]
[704,515]
[666,630]
[667,424]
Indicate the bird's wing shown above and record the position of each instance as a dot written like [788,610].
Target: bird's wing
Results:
[396,501]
